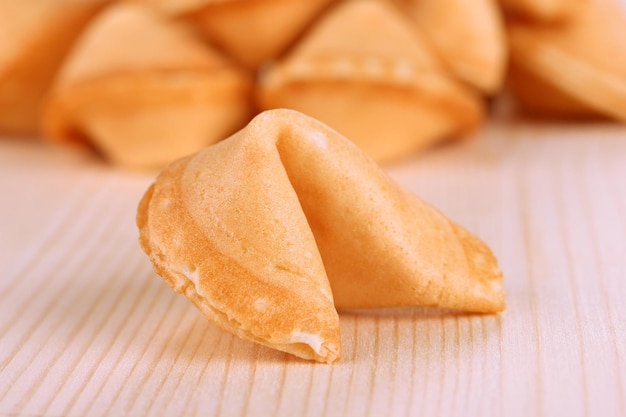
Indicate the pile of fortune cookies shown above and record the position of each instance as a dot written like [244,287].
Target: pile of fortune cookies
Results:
[269,120]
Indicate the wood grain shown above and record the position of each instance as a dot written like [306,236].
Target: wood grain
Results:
[88,329]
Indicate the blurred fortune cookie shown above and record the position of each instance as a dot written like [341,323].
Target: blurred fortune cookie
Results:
[143,91]
[576,69]
[35,36]
[467,35]
[255,31]
[366,71]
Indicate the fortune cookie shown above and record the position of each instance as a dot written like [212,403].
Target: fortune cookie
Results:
[574,69]
[35,36]
[364,70]
[467,35]
[144,92]
[254,31]
[270,230]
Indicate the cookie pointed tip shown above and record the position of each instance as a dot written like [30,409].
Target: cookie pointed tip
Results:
[330,353]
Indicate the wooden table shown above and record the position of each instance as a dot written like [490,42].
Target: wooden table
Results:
[88,329]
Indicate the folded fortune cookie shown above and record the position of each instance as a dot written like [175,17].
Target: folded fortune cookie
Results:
[35,37]
[255,31]
[467,35]
[574,69]
[144,92]
[257,229]
[364,70]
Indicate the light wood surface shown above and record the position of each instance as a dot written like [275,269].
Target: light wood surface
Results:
[87,328]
